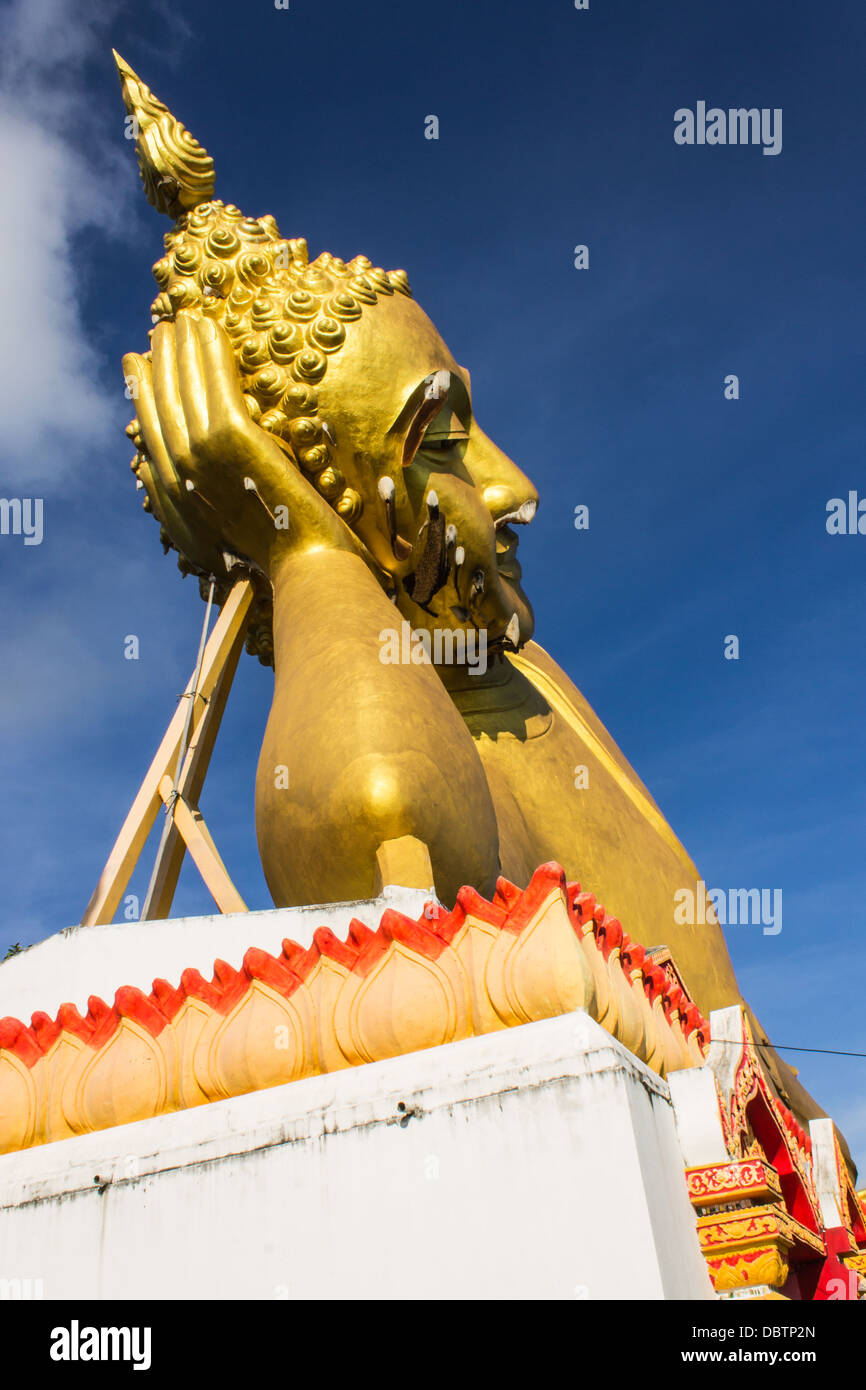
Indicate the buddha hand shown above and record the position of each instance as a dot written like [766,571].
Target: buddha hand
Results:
[215,479]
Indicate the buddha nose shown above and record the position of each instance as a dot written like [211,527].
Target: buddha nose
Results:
[504,504]
[508,494]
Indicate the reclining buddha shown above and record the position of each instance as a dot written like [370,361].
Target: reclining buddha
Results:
[305,420]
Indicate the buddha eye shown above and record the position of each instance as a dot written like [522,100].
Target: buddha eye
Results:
[439,443]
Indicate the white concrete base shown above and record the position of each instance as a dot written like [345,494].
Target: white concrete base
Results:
[539,1162]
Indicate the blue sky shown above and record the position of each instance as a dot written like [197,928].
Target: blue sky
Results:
[606,386]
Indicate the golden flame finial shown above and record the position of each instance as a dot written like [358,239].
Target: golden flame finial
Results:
[177,172]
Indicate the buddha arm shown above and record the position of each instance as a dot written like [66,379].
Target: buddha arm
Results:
[357,751]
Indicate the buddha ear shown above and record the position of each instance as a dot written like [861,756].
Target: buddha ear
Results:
[177,172]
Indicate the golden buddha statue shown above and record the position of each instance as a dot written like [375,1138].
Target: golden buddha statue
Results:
[307,420]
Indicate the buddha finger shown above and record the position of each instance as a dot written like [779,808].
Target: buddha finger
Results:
[144,480]
[151,428]
[191,378]
[224,399]
[189,544]
[173,497]
[166,393]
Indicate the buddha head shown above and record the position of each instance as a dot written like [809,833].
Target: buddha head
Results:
[342,367]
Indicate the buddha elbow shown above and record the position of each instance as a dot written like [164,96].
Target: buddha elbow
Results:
[389,796]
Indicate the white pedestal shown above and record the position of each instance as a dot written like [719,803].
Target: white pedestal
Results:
[537,1162]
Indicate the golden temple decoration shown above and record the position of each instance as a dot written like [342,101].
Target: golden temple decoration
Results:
[780,1216]
[723,1184]
[754,1246]
[525,955]
[756,1122]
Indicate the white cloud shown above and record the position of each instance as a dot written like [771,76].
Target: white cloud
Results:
[40,34]
[62,176]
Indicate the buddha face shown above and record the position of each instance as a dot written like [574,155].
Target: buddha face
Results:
[440,500]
